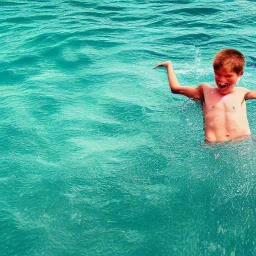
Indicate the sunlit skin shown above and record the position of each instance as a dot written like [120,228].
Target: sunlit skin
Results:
[224,107]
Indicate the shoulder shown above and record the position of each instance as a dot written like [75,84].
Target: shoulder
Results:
[204,87]
[241,90]
[246,93]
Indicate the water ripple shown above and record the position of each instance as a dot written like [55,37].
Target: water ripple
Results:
[97,156]
[193,11]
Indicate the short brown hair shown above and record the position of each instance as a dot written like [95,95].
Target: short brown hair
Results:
[229,58]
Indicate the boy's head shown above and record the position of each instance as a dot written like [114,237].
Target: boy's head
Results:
[231,60]
[228,66]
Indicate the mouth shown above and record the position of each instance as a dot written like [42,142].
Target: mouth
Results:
[223,85]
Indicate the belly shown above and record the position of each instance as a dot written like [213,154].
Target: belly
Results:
[225,126]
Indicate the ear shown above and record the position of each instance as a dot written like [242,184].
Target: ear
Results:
[241,73]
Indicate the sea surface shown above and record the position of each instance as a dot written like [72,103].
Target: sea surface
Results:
[97,157]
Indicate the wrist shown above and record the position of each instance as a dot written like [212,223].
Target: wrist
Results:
[168,64]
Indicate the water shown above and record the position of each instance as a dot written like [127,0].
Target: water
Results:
[97,157]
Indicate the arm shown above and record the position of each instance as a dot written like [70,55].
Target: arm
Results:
[250,95]
[191,92]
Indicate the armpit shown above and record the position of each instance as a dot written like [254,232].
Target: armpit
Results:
[250,95]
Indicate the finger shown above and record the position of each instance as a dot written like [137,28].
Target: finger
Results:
[158,65]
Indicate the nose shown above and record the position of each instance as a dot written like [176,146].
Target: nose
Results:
[221,80]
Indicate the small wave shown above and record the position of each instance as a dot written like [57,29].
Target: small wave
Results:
[11,3]
[194,11]
[45,17]
[18,20]
[110,8]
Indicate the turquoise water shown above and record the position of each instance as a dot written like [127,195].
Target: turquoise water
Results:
[97,156]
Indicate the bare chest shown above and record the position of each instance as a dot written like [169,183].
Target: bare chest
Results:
[214,101]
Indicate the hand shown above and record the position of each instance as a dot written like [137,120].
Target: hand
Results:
[163,64]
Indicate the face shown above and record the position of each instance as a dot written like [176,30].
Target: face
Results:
[226,80]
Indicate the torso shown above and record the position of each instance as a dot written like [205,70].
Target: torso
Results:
[225,116]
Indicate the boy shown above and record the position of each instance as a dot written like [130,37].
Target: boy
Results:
[224,108]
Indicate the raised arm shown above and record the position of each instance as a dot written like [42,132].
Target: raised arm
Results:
[191,92]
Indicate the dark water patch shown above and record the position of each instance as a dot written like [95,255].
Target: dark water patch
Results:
[237,42]
[46,38]
[87,85]
[127,18]
[99,13]
[194,11]
[112,8]
[16,70]
[86,15]
[193,38]
[5,28]
[33,236]
[12,3]
[139,54]
[12,76]
[161,3]
[46,42]
[201,24]
[18,20]
[110,33]
[154,19]
[75,22]
[44,106]
[6,65]
[16,139]
[101,43]
[81,4]
[150,53]
[103,32]
[24,28]
[247,20]
[45,17]
[251,61]
[5,112]
[83,15]
[225,25]
[157,23]
[46,6]
[26,61]
[218,42]
[78,43]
